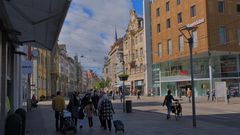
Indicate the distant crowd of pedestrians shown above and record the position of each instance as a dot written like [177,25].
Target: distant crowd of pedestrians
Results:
[82,107]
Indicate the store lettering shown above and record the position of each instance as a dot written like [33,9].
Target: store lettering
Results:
[196,23]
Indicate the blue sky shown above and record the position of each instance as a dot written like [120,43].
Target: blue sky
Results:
[137,5]
[90,26]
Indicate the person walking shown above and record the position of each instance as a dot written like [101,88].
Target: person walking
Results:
[107,111]
[138,94]
[168,102]
[189,94]
[101,98]
[213,95]
[90,110]
[208,94]
[95,99]
[228,95]
[73,106]
[58,105]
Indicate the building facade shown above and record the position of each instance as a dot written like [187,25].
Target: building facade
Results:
[216,49]
[114,65]
[63,69]
[134,54]
[72,75]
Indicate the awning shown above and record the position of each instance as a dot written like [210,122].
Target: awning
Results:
[38,22]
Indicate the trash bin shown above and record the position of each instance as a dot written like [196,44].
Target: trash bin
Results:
[128,106]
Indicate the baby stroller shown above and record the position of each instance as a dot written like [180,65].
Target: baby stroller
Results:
[177,110]
[68,122]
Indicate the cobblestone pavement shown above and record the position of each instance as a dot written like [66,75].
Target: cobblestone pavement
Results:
[148,118]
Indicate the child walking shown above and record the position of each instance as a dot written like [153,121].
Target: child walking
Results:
[90,110]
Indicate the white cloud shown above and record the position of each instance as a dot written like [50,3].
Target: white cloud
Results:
[82,30]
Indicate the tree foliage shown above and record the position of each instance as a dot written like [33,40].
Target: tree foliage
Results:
[102,84]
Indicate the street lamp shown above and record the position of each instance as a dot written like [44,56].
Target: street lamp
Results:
[186,32]
[121,58]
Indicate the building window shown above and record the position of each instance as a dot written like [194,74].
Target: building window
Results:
[141,52]
[141,37]
[168,23]
[238,7]
[158,11]
[179,2]
[170,49]
[181,43]
[167,6]
[136,54]
[180,17]
[223,35]
[141,67]
[221,6]
[160,50]
[238,34]
[136,40]
[193,11]
[194,35]
[158,28]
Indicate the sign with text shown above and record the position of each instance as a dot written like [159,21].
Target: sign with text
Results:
[27,67]
[220,89]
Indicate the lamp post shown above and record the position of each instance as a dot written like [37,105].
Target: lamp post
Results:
[121,58]
[189,38]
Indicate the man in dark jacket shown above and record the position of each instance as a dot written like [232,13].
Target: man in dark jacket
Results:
[95,99]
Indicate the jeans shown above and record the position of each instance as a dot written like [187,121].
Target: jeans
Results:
[58,117]
[90,121]
[169,109]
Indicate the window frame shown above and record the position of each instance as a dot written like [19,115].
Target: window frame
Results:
[193,13]
[224,40]
[195,38]
[167,6]
[170,47]
[168,23]
[179,17]
[221,10]
[181,46]
[158,11]
[179,2]
[159,50]
[238,4]
[158,28]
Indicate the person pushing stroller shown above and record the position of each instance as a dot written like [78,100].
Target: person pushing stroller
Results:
[168,102]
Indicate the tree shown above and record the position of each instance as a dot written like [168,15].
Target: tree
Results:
[102,84]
